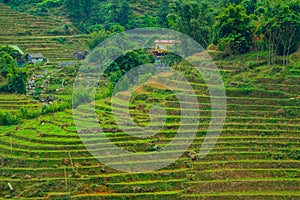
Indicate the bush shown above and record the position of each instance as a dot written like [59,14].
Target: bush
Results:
[56,107]
[7,118]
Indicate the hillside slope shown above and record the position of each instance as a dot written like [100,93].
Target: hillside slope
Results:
[257,155]
[38,35]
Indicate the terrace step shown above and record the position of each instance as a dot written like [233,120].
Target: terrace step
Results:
[262,194]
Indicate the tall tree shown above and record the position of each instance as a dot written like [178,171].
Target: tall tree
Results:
[114,11]
[250,6]
[192,18]
[11,51]
[123,15]
[234,30]
[15,78]
[73,7]
[163,13]
[281,30]
[87,8]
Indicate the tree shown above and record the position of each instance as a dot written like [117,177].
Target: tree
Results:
[15,78]
[228,2]
[99,14]
[143,21]
[73,8]
[17,81]
[15,54]
[163,13]
[250,6]
[7,63]
[114,11]
[123,15]
[281,30]
[82,12]
[127,62]
[234,30]
[87,8]
[192,18]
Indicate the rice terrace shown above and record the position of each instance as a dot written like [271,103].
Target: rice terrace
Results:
[163,99]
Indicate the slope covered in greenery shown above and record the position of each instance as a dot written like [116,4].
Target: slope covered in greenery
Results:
[42,155]
[258,148]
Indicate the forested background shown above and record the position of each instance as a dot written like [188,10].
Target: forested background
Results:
[236,26]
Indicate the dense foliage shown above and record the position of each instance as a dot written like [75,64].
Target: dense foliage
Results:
[192,18]
[12,118]
[235,26]
[234,30]
[12,78]
[280,28]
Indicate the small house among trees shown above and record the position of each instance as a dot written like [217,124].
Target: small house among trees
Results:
[34,58]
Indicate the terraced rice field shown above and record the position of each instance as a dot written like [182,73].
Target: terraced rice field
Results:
[37,35]
[256,157]
[15,102]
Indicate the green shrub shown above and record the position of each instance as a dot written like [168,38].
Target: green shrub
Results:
[7,118]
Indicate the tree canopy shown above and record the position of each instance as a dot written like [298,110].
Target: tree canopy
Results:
[13,79]
[235,26]
[234,29]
